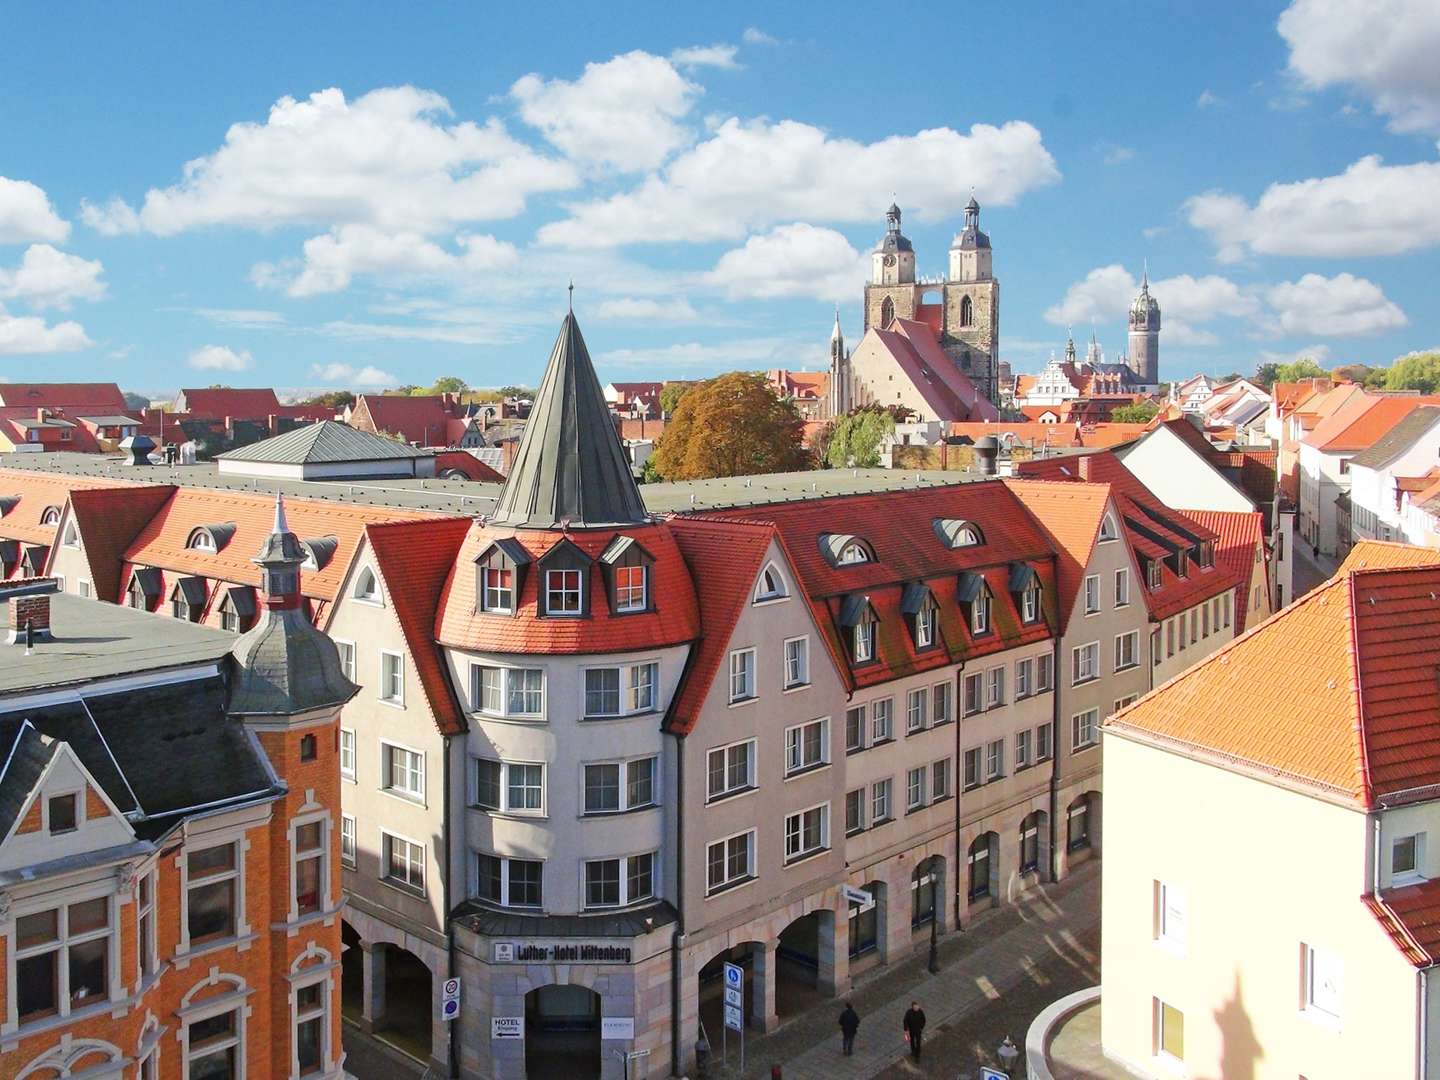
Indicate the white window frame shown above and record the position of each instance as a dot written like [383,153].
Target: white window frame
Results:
[925,620]
[346,649]
[797,662]
[372,594]
[387,694]
[236,840]
[387,748]
[863,637]
[477,691]
[1415,872]
[1044,673]
[977,680]
[60,945]
[83,589]
[972,772]
[1122,587]
[742,668]
[857,797]
[796,762]
[730,881]
[940,786]
[623,868]
[1090,649]
[1043,747]
[347,750]
[1024,677]
[625,594]
[563,591]
[1108,531]
[994,760]
[1092,594]
[489,593]
[629,680]
[504,806]
[882,797]
[980,613]
[882,720]
[347,825]
[1159,1021]
[327,900]
[321,1013]
[207,1010]
[505,861]
[1323,984]
[917,785]
[623,805]
[917,710]
[145,906]
[1084,730]
[729,790]
[1030,603]
[942,704]
[1024,740]
[779,592]
[1132,637]
[995,687]
[798,821]
[386,839]
[860,713]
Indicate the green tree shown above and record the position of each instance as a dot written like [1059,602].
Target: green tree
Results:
[1356,373]
[332,399]
[136,401]
[732,425]
[857,436]
[670,395]
[648,473]
[1297,370]
[1416,371]
[1140,413]
[446,384]
[517,392]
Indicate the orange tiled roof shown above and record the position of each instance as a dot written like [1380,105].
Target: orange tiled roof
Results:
[109,519]
[162,541]
[1411,916]
[1107,434]
[1337,692]
[1357,428]
[1070,514]
[1388,555]
[414,563]
[1241,534]
[725,560]
[1025,432]
[673,621]
[38,492]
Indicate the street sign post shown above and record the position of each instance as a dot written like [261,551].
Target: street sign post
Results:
[861,898]
[734,1012]
[449,999]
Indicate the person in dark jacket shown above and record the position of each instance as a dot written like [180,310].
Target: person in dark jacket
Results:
[849,1025]
[914,1025]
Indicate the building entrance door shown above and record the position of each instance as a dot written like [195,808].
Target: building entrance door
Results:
[562,1033]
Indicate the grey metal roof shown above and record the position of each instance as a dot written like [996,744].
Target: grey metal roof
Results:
[602,924]
[24,754]
[326,441]
[112,421]
[571,466]
[1398,439]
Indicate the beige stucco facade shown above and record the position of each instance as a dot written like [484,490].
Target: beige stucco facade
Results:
[1265,872]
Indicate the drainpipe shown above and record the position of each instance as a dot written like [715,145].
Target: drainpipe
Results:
[677,937]
[1057,675]
[958,704]
[454,1025]
[1422,1062]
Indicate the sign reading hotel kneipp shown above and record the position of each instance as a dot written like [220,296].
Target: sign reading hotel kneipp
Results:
[558,952]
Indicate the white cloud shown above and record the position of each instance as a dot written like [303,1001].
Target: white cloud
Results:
[1319,353]
[791,260]
[1117,155]
[387,159]
[753,174]
[459,334]
[30,336]
[114,218]
[248,318]
[48,277]
[1341,306]
[624,113]
[350,375]
[753,35]
[1186,302]
[331,261]
[717,56]
[26,214]
[1369,209]
[716,356]
[1208,100]
[220,358]
[1385,49]
[644,309]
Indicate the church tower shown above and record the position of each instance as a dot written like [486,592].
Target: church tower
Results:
[840,402]
[1144,358]
[892,293]
[972,306]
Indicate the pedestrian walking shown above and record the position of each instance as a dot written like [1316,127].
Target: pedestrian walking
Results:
[849,1025]
[914,1025]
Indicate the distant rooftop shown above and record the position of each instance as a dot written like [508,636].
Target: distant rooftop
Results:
[327,441]
[476,499]
[93,640]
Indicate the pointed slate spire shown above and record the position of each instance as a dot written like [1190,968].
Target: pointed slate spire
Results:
[283,665]
[570,468]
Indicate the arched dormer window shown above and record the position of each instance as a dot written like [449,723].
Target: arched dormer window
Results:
[50,516]
[200,540]
[967,311]
[367,589]
[958,533]
[1107,529]
[853,553]
[843,550]
[887,312]
[771,585]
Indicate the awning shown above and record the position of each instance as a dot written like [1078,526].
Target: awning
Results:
[970,586]
[913,598]
[1022,576]
[853,609]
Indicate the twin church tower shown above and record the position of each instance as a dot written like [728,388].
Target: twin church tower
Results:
[963,310]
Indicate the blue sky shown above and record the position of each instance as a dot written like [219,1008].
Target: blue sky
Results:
[299,198]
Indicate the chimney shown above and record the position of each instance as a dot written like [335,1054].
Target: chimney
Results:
[986,451]
[41,414]
[138,448]
[27,610]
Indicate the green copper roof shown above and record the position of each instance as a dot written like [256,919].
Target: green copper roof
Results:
[570,466]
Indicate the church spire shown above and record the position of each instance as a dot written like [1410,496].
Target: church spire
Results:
[835,334]
[1070,345]
[571,469]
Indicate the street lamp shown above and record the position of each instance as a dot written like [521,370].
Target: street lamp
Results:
[1008,1053]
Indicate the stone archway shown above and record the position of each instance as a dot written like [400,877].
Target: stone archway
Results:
[352,972]
[562,1032]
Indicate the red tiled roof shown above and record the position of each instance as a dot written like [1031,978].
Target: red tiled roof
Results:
[1024,432]
[420,420]
[673,620]
[725,560]
[37,492]
[415,562]
[1104,435]
[162,541]
[1411,916]
[1241,534]
[1141,514]
[1337,691]
[109,519]
[468,463]
[1035,412]
[932,315]
[249,403]
[95,397]
[1070,514]
[949,393]
[1362,427]
[898,525]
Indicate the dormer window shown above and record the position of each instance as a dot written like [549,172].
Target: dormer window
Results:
[840,550]
[980,614]
[200,540]
[1107,529]
[974,596]
[957,533]
[1153,574]
[187,599]
[1030,603]
[500,572]
[1205,556]
[143,591]
[771,585]
[917,604]
[562,592]
[857,618]
[210,538]
[71,539]
[50,516]
[319,552]
[864,640]
[367,589]
[497,589]
[626,566]
[925,620]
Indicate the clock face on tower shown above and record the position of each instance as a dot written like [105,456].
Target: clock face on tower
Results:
[889,260]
